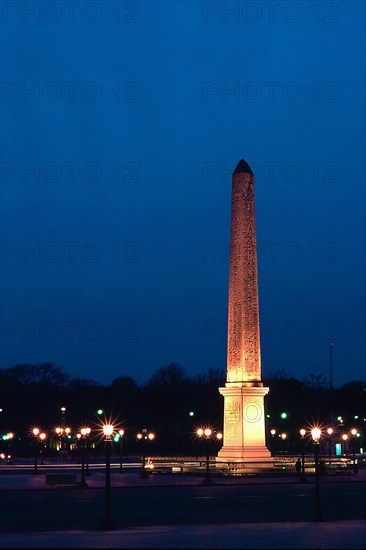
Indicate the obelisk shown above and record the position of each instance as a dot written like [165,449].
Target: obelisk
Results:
[244,418]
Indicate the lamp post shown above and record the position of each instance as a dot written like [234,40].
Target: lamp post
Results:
[85,432]
[108,524]
[144,436]
[206,434]
[273,433]
[82,436]
[316,434]
[344,439]
[303,477]
[10,436]
[62,428]
[42,437]
[354,433]
[283,436]
[63,433]
[330,441]
[35,432]
[121,433]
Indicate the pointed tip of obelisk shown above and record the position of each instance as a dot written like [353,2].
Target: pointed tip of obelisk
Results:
[243,166]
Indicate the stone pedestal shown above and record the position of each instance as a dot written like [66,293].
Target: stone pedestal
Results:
[244,428]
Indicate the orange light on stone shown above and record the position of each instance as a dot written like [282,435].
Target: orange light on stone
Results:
[244,415]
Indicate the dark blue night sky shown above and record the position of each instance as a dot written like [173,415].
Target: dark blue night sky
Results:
[132,116]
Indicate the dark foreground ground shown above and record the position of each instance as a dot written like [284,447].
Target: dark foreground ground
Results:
[174,511]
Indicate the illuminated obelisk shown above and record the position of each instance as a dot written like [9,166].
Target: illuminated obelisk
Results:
[244,418]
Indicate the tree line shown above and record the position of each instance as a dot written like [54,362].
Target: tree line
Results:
[171,403]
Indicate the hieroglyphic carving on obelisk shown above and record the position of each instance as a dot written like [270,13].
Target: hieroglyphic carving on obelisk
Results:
[244,419]
[244,359]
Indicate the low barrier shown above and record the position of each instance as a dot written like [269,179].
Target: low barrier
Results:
[61,479]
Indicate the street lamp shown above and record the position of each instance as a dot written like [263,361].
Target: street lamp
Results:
[108,524]
[344,439]
[273,433]
[206,434]
[35,432]
[42,437]
[82,438]
[121,433]
[39,438]
[283,436]
[62,428]
[62,432]
[145,436]
[316,435]
[354,433]
[85,432]
[303,477]
[330,432]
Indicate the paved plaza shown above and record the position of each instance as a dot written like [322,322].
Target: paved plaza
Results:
[328,534]
[347,535]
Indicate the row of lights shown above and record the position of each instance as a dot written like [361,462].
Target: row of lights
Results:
[208,433]
[329,431]
[108,431]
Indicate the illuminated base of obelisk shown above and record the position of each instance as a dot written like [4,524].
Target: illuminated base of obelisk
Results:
[244,447]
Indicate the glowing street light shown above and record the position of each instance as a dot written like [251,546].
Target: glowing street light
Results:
[145,436]
[121,433]
[303,477]
[62,433]
[82,437]
[85,433]
[35,432]
[353,443]
[207,434]
[273,432]
[344,438]
[330,432]
[283,436]
[316,435]
[108,524]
